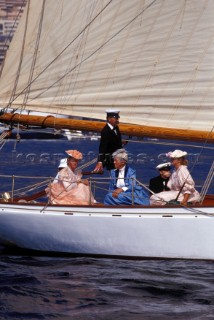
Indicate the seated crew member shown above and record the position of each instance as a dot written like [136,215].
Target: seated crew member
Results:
[110,141]
[70,188]
[123,183]
[181,184]
[159,183]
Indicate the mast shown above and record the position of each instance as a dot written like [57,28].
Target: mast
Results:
[96,126]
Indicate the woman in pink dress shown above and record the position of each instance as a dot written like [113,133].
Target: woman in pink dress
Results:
[70,188]
[181,184]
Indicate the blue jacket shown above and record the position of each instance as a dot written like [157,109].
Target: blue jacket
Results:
[129,183]
[138,196]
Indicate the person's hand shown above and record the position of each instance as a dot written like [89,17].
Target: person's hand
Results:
[116,192]
[185,199]
[85,182]
[98,168]
[124,142]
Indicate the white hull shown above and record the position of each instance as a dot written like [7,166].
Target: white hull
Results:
[132,232]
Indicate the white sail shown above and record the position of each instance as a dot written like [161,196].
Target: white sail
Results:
[152,59]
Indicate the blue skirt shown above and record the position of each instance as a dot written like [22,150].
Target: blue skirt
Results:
[125,198]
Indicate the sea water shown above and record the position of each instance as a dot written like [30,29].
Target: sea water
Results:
[68,287]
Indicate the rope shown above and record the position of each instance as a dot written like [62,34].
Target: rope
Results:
[22,191]
[87,164]
[143,185]
[207,183]
[210,174]
[23,177]
[2,144]
[197,211]
[12,97]
[4,135]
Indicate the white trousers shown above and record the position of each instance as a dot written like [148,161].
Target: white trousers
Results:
[162,198]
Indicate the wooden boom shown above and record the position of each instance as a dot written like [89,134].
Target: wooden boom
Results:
[96,126]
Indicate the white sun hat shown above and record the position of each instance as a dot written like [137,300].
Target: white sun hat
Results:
[177,154]
[63,163]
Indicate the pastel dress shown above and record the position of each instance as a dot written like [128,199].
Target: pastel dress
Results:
[127,182]
[69,189]
[179,184]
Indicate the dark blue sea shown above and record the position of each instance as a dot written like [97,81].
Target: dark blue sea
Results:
[70,287]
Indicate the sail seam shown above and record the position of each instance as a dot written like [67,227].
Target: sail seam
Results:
[59,56]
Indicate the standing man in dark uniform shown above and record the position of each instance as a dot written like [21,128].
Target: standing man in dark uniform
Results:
[159,183]
[110,141]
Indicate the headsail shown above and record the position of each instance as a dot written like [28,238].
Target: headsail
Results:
[152,59]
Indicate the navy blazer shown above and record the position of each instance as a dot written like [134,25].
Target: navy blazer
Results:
[109,143]
[158,184]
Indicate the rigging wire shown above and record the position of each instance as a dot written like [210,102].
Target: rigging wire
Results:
[55,59]
[76,66]
[80,47]
[87,164]
[22,191]
[197,211]
[9,36]
[2,144]
[34,56]
[12,97]
[93,53]
[207,183]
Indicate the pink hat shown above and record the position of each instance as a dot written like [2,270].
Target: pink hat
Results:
[74,154]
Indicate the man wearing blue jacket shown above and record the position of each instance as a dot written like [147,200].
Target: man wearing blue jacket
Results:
[123,189]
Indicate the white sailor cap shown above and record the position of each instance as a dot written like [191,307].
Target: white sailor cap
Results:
[113,113]
[164,166]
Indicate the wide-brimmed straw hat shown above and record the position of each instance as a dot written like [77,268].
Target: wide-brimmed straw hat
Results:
[74,154]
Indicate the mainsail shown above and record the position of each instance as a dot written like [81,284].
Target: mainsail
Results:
[152,59]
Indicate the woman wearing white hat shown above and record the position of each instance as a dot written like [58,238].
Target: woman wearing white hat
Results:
[181,184]
[70,188]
